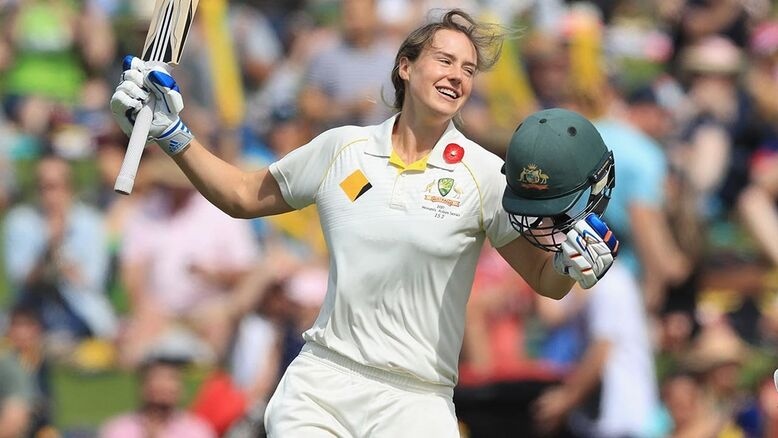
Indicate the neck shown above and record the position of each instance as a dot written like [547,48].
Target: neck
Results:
[413,137]
[157,413]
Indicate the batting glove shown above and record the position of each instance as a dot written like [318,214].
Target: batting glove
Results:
[588,252]
[149,83]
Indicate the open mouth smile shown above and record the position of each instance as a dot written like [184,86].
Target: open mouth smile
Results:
[448,92]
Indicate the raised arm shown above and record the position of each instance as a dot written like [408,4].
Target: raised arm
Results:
[237,192]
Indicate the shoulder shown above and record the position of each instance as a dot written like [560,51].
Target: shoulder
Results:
[334,140]
[349,134]
[120,425]
[87,212]
[629,145]
[194,425]
[21,214]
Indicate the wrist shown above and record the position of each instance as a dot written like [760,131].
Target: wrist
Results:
[175,138]
[558,261]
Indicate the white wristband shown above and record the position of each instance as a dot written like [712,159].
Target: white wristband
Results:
[175,139]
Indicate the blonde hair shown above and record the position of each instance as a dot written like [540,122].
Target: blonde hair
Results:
[487,38]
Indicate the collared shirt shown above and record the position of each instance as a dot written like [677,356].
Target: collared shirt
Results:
[84,245]
[171,243]
[403,243]
[181,424]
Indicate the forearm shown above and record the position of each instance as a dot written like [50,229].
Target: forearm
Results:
[588,372]
[553,284]
[14,418]
[537,268]
[659,254]
[236,192]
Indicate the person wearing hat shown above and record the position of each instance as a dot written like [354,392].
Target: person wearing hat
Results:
[405,207]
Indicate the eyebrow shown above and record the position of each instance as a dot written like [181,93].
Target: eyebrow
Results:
[452,57]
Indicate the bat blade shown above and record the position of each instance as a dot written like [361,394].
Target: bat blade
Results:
[165,40]
[168,29]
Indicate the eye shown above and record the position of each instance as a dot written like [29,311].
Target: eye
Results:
[470,71]
[445,61]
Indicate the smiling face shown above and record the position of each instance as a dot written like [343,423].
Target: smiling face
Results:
[440,80]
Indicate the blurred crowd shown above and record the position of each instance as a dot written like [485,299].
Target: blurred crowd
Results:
[679,341]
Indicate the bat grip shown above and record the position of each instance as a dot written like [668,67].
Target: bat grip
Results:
[138,139]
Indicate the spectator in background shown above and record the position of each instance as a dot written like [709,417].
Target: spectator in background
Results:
[277,97]
[694,20]
[267,338]
[618,362]
[548,67]
[158,414]
[717,356]
[258,47]
[345,83]
[494,346]
[615,370]
[757,202]
[721,129]
[15,397]
[7,179]
[650,250]
[685,412]
[56,257]
[179,259]
[768,403]
[52,53]
[25,335]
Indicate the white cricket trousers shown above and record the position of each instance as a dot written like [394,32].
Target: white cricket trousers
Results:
[324,394]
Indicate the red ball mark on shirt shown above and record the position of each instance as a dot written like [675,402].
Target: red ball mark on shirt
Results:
[453,153]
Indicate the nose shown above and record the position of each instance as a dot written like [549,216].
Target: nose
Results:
[455,76]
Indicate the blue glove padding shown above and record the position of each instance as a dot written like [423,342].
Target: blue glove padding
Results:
[588,252]
[149,83]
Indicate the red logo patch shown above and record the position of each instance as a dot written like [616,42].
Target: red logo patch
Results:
[453,153]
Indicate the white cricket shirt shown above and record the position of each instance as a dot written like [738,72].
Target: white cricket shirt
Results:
[403,244]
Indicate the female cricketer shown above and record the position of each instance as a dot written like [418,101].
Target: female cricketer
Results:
[405,207]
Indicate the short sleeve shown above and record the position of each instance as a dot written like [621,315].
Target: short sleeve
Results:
[14,382]
[497,225]
[300,173]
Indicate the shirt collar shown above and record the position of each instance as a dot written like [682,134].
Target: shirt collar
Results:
[381,146]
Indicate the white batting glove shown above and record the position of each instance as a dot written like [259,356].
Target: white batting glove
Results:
[588,252]
[150,83]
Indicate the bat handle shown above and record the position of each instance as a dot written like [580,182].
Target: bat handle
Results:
[138,139]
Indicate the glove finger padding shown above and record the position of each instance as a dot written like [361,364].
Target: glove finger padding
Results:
[126,101]
[166,89]
[147,83]
[588,252]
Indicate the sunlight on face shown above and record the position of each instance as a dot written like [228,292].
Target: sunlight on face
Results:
[441,79]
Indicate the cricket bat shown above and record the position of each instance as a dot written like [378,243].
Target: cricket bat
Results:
[165,40]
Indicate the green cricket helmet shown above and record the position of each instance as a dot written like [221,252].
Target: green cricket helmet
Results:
[558,170]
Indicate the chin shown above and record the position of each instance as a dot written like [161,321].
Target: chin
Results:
[447,111]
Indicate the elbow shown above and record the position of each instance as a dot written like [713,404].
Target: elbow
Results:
[238,210]
[554,294]
[240,213]
[237,205]
[556,289]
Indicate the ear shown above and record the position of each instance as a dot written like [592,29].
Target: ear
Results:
[404,69]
